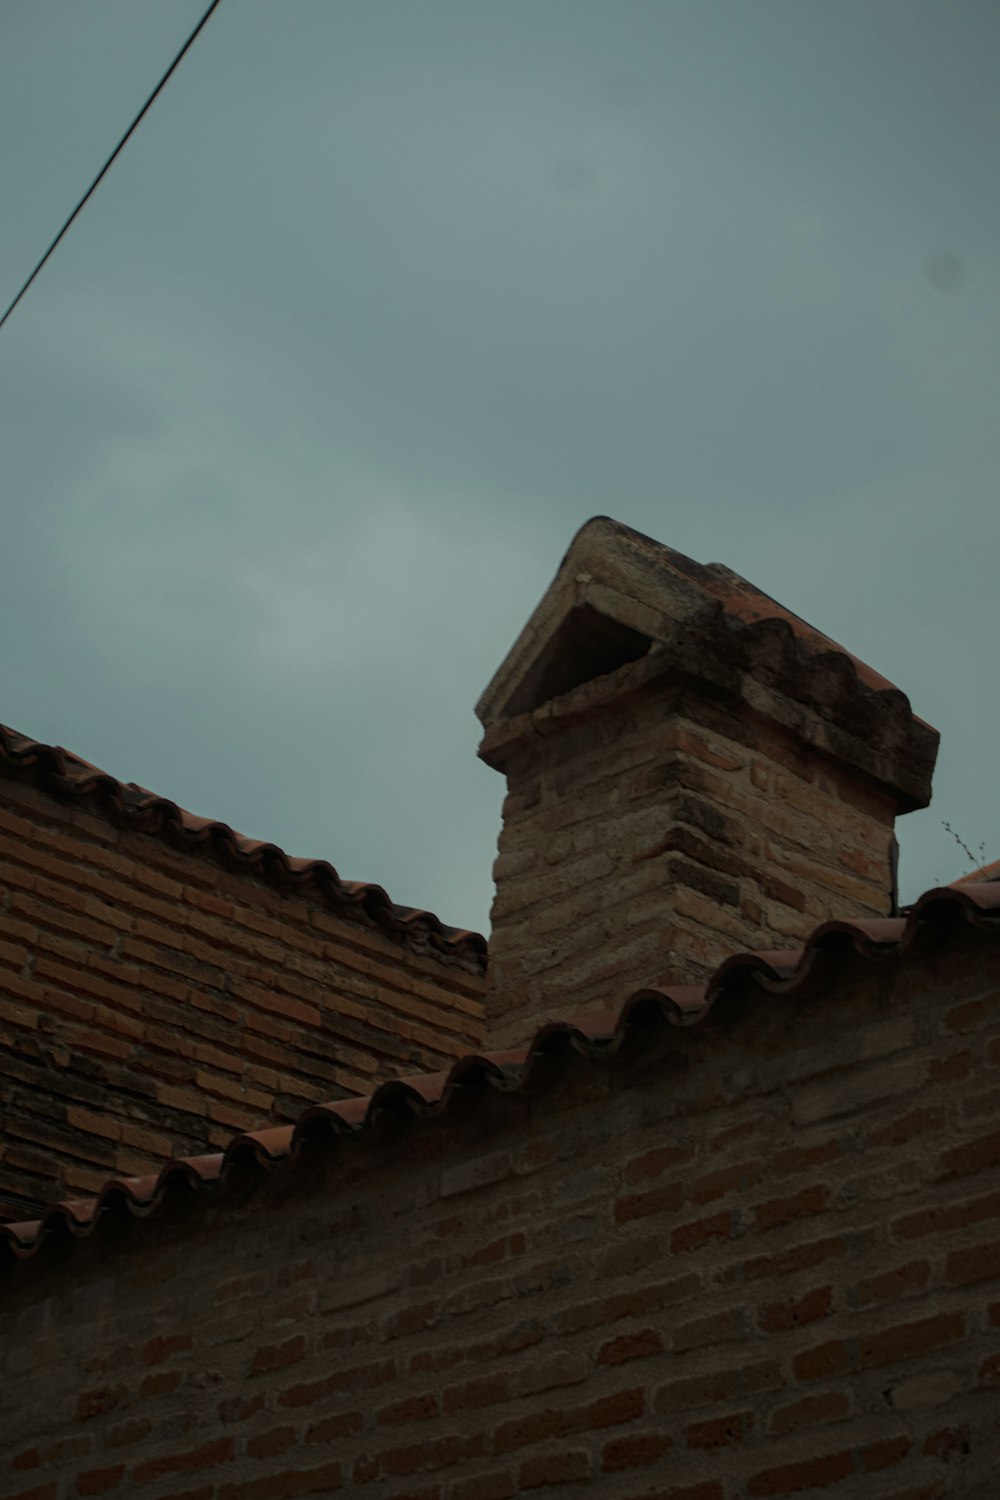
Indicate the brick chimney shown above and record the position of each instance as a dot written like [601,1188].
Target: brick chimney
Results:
[692,771]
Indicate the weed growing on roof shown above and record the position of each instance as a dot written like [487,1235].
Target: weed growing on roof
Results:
[975,863]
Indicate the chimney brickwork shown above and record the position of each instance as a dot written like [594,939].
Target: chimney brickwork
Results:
[691,772]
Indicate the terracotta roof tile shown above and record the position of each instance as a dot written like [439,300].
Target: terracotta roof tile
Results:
[978,877]
[937,913]
[68,775]
[742,600]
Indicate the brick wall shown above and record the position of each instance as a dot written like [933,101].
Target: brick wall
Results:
[153,1001]
[764,1264]
[643,845]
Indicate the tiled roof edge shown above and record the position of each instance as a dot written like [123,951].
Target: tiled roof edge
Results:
[61,772]
[520,1071]
[978,877]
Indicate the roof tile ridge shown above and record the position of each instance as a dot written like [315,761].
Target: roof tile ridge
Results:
[131,800]
[815,648]
[975,899]
[763,607]
[983,875]
[520,1070]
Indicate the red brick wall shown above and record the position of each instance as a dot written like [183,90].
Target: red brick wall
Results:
[153,1002]
[764,1264]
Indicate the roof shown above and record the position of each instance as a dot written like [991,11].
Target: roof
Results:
[608,552]
[624,611]
[66,775]
[983,874]
[631,1030]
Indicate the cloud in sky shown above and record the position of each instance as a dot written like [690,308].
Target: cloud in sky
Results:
[384,300]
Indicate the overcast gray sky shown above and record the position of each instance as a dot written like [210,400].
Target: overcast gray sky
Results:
[385,299]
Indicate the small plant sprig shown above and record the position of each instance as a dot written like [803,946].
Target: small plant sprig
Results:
[975,863]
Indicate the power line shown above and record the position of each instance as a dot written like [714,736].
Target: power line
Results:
[88,194]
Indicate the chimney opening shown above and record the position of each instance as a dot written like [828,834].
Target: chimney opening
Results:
[586,645]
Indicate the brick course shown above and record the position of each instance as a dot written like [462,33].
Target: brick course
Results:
[461,1311]
[154,1001]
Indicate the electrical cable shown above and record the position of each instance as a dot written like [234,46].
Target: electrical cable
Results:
[88,194]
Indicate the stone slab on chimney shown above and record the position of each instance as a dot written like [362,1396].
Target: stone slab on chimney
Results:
[692,770]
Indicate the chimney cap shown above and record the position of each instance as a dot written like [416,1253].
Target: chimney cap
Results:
[620,598]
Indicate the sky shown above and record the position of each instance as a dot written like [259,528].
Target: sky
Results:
[385,298]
